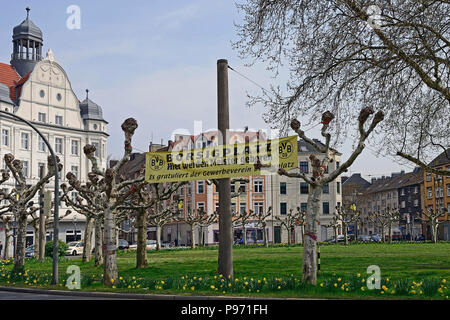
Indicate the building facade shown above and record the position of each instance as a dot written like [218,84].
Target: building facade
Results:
[39,90]
[437,194]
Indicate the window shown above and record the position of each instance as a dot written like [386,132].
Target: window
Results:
[242,207]
[59,145]
[403,204]
[338,187]
[326,207]
[448,190]
[233,207]
[416,189]
[258,186]
[58,97]
[59,120]
[402,192]
[283,208]
[428,176]
[429,192]
[258,207]
[42,93]
[337,164]
[200,206]
[24,140]
[243,186]
[326,169]
[304,167]
[303,206]
[74,196]
[217,206]
[200,187]
[41,168]
[304,188]
[189,189]
[25,168]
[42,117]
[5,137]
[326,188]
[416,203]
[95,126]
[74,170]
[233,187]
[74,147]
[41,144]
[282,187]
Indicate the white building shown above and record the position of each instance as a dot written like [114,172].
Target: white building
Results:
[39,91]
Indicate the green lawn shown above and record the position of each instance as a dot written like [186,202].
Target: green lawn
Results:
[401,263]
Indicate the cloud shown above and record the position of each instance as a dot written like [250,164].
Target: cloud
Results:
[175,18]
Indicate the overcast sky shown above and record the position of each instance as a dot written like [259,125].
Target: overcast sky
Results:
[155,60]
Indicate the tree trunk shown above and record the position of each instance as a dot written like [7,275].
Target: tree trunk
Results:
[383,236]
[289,236]
[244,234]
[192,236]
[19,258]
[335,235]
[110,273]
[141,252]
[390,232]
[7,239]
[42,236]
[201,234]
[98,249]
[345,233]
[309,272]
[434,231]
[158,236]
[87,247]
[266,243]
[37,242]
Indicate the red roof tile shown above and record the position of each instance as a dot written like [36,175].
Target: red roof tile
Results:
[11,78]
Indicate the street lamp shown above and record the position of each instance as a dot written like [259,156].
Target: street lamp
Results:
[56,199]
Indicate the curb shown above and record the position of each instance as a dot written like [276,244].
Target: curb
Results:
[133,296]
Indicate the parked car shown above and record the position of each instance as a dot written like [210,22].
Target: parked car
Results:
[29,251]
[75,248]
[166,244]
[239,241]
[364,238]
[150,245]
[123,244]
[420,237]
[340,238]
[375,237]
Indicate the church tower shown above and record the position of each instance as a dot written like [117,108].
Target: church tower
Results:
[27,46]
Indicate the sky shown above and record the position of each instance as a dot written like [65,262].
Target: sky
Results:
[155,60]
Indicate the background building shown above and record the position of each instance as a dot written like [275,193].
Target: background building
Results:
[39,90]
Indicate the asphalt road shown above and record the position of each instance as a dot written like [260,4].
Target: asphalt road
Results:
[8,295]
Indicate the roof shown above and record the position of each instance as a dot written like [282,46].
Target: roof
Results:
[357,179]
[5,93]
[399,181]
[27,30]
[440,159]
[90,110]
[9,77]
[411,178]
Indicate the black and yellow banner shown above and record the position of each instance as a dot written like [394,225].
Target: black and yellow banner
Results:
[223,161]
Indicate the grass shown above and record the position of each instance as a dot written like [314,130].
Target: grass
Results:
[408,270]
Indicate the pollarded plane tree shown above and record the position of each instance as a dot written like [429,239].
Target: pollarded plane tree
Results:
[385,219]
[87,203]
[319,179]
[335,223]
[241,218]
[148,196]
[434,218]
[261,218]
[20,201]
[393,55]
[192,218]
[205,221]
[289,221]
[345,216]
[110,195]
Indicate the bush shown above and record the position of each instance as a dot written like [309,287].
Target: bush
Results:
[62,248]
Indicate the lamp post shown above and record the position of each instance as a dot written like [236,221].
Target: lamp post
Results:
[56,196]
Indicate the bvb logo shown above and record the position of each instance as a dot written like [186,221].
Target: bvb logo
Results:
[285,149]
[156,163]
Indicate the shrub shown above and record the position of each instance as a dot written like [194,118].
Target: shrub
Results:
[62,248]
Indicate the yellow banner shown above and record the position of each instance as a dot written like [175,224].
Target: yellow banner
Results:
[223,161]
